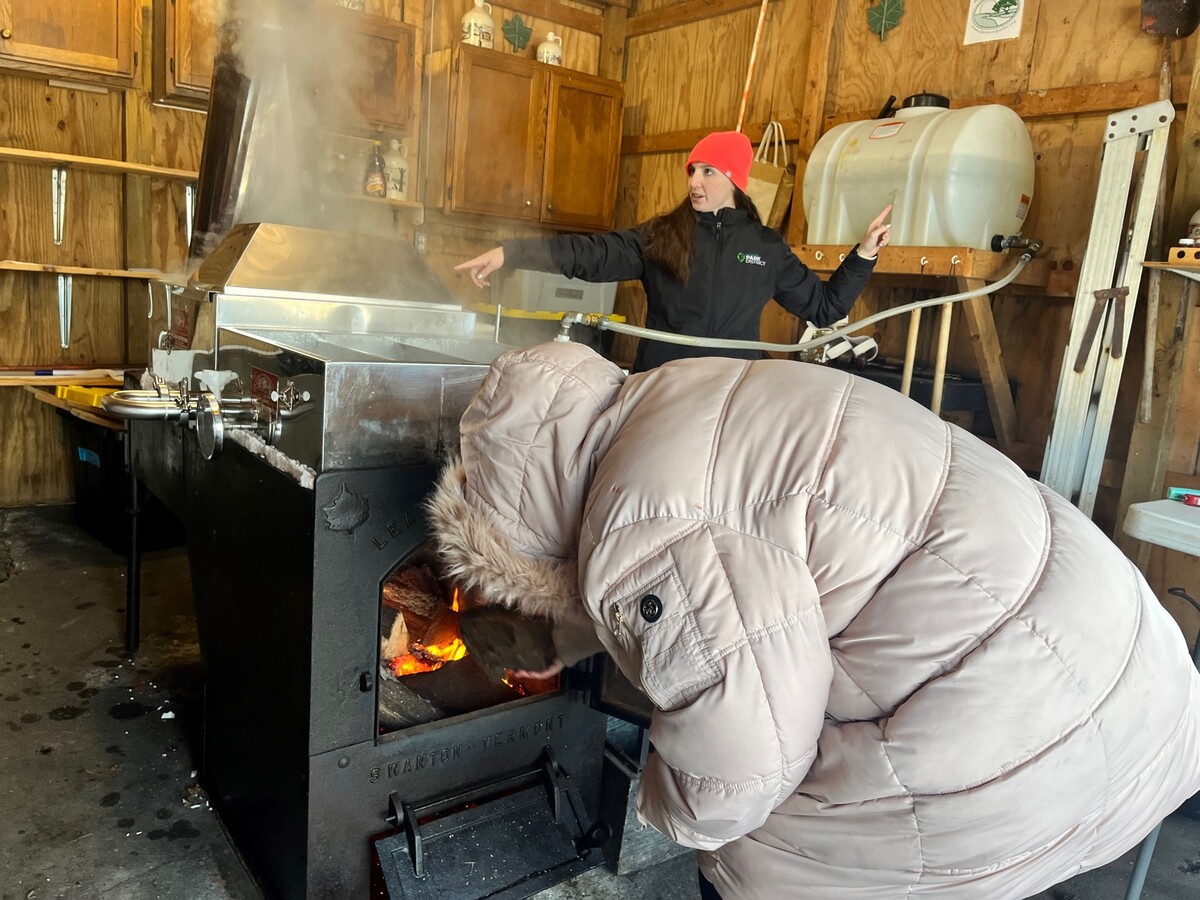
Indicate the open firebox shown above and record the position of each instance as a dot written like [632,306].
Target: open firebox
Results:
[352,745]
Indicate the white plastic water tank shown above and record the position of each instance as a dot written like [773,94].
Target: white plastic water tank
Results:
[957,177]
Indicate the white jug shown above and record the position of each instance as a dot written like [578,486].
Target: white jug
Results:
[395,163]
[550,52]
[478,29]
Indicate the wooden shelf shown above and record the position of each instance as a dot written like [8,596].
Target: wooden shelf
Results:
[87,414]
[1183,261]
[15,265]
[396,204]
[941,262]
[94,164]
[83,378]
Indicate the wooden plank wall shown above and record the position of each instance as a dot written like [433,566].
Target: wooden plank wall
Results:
[112,221]
[109,325]
[683,66]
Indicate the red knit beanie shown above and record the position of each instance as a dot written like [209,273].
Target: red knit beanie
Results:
[728,151]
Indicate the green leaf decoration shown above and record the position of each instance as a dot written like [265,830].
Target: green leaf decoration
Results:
[517,33]
[884,16]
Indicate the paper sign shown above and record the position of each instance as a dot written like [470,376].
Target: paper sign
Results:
[993,20]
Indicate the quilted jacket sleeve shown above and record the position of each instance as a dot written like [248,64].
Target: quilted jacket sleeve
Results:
[803,294]
[737,663]
[611,256]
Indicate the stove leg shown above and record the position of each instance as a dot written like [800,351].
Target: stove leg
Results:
[133,559]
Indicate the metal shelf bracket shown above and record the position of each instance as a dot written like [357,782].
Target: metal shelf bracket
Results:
[58,200]
[65,285]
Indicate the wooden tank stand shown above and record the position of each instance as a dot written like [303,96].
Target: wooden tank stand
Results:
[970,268]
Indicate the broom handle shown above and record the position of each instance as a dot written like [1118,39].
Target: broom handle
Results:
[762,15]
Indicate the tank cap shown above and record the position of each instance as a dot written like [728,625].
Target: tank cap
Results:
[925,100]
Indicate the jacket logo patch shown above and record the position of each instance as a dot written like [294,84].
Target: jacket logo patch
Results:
[750,259]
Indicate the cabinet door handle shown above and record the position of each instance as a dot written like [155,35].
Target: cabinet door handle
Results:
[6,33]
[549,207]
[529,203]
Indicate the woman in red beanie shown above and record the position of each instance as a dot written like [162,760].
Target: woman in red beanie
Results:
[709,266]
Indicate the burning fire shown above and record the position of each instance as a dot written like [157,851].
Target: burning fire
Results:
[426,657]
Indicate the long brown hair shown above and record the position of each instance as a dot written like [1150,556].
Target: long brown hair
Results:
[670,238]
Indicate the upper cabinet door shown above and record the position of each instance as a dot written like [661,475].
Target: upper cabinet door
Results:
[583,147]
[376,56]
[185,44]
[499,129]
[93,40]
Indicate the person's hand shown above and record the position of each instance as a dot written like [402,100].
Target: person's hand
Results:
[553,669]
[482,266]
[877,235]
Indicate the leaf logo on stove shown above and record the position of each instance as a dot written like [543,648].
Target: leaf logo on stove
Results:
[347,511]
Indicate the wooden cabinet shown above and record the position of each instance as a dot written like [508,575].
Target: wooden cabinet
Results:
[96,40]
[528,141]
[376,56]
[365,59]
[184,43]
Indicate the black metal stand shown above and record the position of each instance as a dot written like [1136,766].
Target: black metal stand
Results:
[133,557]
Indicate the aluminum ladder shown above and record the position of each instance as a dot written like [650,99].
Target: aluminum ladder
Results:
[1105,300]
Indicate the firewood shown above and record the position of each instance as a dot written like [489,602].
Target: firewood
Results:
[415,590]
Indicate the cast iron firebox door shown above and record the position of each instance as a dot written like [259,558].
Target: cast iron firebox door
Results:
[500,840]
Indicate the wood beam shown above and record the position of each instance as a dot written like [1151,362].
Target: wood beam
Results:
[1065,101]
[685,14]
[612,44]
[984,341]
[137,229]
[560,14]
[824,15]
[677,141]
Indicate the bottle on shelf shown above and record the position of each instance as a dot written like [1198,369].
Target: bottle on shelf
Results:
[478,28]
[396,161]
[375,180]
[550,51]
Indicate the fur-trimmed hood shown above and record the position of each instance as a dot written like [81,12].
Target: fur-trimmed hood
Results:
[506,516]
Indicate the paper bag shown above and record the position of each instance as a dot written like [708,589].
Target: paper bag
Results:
[772,177]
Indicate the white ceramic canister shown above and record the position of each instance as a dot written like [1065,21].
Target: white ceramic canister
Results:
[395,163]
[550,50]
[478,29]
[956,176]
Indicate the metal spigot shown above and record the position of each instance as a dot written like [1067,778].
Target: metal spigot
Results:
[1000,243]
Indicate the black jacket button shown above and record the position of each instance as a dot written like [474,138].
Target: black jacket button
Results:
[651,608]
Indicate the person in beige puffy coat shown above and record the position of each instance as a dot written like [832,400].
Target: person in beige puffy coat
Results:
[885,663]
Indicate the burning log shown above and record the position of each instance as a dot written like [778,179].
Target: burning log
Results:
[424,634]
[415,590]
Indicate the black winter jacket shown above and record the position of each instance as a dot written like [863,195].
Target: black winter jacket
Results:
[737,266]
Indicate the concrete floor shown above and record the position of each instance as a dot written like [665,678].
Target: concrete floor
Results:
[98,790]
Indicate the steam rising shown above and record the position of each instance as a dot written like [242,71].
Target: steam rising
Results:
[284,79]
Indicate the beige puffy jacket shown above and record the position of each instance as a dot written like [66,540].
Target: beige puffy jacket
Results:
[885,662]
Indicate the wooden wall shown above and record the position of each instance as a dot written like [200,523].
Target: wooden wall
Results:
[111,222]
[683,64]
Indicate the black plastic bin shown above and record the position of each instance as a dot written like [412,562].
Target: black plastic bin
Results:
[102,494]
